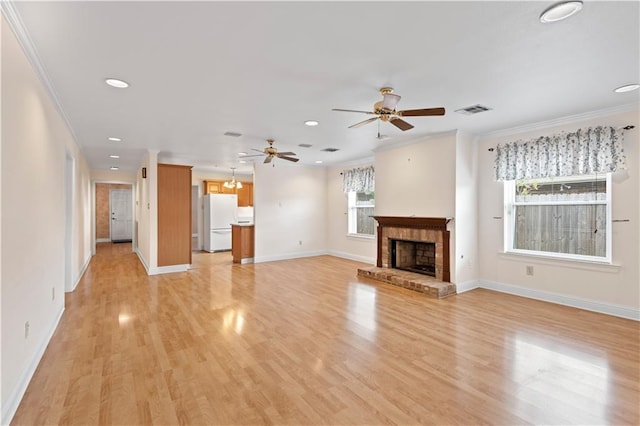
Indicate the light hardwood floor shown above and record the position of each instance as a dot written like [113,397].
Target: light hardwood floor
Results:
[308,342]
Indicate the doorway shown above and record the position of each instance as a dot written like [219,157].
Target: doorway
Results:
[113,215]
[121,220]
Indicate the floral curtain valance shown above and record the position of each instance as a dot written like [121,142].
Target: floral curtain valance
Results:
[360,179]
[585,151]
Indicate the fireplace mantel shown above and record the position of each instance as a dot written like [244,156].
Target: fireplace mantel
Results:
[435,223]
[434,227]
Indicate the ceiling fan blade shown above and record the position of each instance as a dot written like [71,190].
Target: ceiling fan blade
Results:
[248,156]
[421,112]
[390,101]
[284,157]
[352,110]
[259,150]
[362,123]
[286,153]
[401,124]
[268,159]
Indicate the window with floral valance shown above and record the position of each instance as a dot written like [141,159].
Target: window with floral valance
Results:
[360,179]
[557,193]
[582,152]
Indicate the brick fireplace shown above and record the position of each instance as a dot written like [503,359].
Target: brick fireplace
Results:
[414,256]
[415,234]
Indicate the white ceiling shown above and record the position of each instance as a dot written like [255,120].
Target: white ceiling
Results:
[199,69]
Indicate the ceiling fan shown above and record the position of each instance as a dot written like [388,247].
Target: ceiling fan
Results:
[272,152]
[385,110]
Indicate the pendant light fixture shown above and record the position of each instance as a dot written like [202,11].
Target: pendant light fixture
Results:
[233,183]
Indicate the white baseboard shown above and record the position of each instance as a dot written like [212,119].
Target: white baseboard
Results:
[103,240]
[287,256]
[82,271]
[161,269]
[363,259]
[143,261]
[561,299]
[169,269]
[466,286]
[10,405]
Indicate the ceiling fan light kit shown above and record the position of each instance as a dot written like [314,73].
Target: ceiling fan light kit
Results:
[272,153]
[385,110]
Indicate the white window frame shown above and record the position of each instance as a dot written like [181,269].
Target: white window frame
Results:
[352,226]
[510,204]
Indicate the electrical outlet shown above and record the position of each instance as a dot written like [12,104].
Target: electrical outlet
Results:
[529,270]
[26,329]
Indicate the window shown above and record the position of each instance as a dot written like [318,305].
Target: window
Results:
[568,217]
[361,205]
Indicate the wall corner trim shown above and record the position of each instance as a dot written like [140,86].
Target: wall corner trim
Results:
[10,405]
[467,286]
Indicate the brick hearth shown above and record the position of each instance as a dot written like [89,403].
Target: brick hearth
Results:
[410,280]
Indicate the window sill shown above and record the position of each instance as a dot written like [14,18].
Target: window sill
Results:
[556,261]
[361,236]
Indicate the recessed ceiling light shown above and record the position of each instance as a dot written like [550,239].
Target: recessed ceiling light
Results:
[242,153]
[114,156]
[627,88]
[560,11]
[113,168]
[318,161]
[311,123]
[114,139]
[114,82]
[242,161]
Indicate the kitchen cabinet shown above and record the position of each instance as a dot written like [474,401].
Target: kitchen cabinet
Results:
[212,187]
[242,243]
[245,195]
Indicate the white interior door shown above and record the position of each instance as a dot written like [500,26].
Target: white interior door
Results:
[121,215]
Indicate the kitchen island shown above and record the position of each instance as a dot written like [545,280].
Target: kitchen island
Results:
[242,242]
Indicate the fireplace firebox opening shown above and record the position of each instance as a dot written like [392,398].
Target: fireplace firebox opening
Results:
[413,256]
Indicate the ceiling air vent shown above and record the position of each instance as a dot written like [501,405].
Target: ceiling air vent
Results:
[233,134]
[305,145]
[330,149]
[473,109]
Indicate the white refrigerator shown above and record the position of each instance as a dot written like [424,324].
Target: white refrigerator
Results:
[219,212]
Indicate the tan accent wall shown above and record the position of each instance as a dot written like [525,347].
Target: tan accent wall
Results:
[102,207]
[174,215]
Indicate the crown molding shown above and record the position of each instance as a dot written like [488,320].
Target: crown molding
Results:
[559,121]
[15,23]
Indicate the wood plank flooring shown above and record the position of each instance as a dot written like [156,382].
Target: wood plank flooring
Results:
[306,341]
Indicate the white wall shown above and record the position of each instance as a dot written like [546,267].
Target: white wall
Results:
[465,223]
[419,180]
[147,212]
[290,203]
[35,142]
[338,242]
[604,285]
